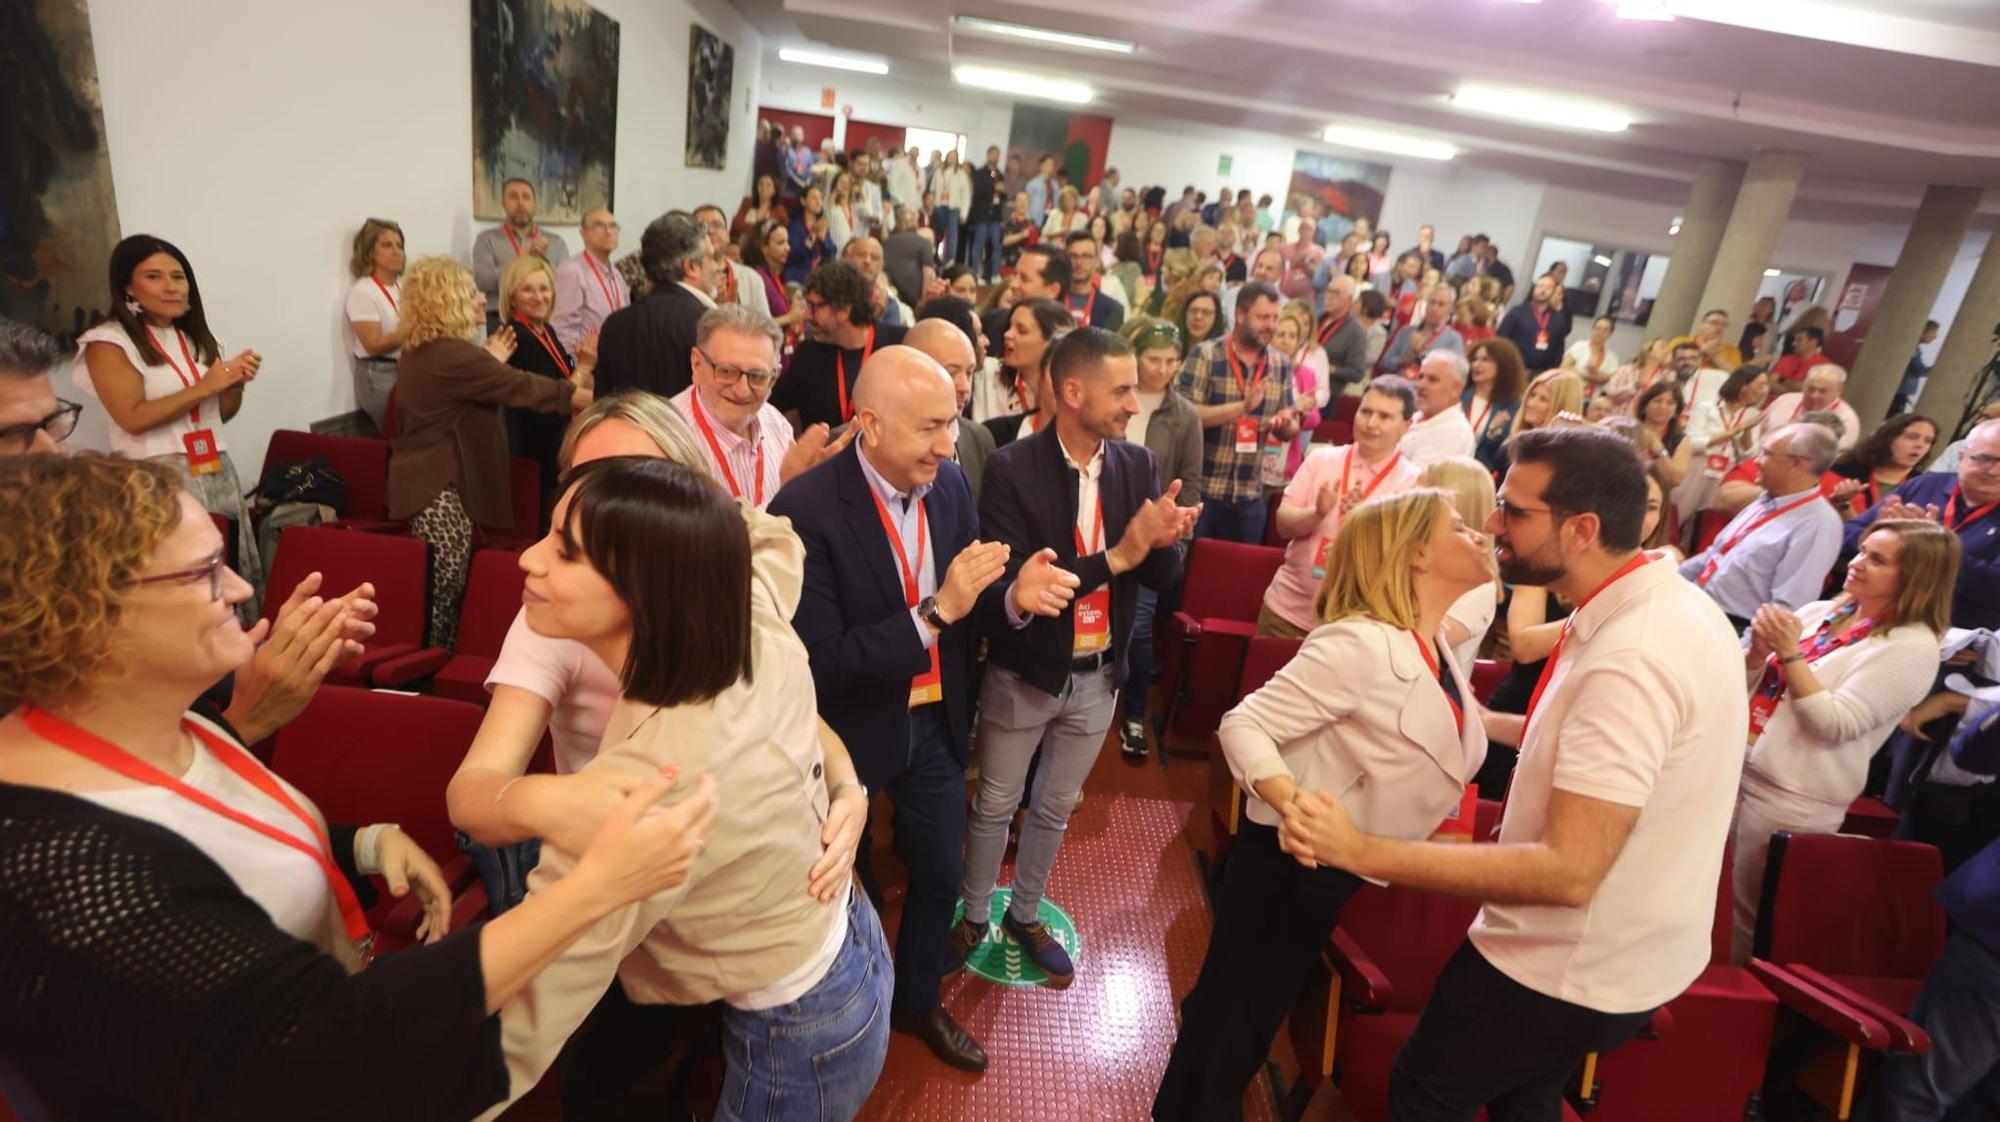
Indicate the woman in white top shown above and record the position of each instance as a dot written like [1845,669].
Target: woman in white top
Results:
[1373,711]
[1032,326]
[372,316]
[1065,218]
[1592,358]
[166,387]
[1722,432]
[1828,686]
[844,219]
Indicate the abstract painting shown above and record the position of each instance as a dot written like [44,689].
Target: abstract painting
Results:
[1343,190]
[544,105]
[711,71]
[58,216]
[1078,141]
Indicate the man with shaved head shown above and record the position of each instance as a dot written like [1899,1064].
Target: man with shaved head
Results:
[941,334]
[588,288]
[893,569]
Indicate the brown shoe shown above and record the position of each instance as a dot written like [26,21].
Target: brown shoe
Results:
[947,1041]
[958,946]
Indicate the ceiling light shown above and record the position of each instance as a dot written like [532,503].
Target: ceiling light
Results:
[1375,140]
[1539,108]
[836,62]
[1602,260]
[1022,84]
[1674,227]
[1771,272]
[1044,35]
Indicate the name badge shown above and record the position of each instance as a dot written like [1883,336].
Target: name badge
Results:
[1718,466]
[1246,435]
[203,457]
[1093,622]
[1458,825]
[928,686]
[1319,558]
[1762,705]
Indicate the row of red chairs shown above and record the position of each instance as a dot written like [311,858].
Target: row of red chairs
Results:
[363,465]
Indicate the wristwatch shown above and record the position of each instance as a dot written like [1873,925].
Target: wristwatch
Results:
[928,609]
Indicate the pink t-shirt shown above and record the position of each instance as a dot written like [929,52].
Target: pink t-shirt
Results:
[1297,581]
[565,674]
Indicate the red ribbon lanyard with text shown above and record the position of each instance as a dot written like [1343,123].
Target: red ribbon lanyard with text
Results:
[1722,549]
[1093,609]
[722,461]
[548,343]
[1772,687]
[384,290]
[840,378]
[203,456]
[1246,426]
[1637,562]
[109,756]
[605,285]
[928,686]
[533,232]
[1951,519]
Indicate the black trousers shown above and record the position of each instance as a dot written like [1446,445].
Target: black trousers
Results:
[629,1062]
[1486,1040]
[929,798]
[1271,921]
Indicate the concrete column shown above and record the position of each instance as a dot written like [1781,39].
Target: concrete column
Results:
[1968,346]
[1762,205]
[1715,185]
[1928,252]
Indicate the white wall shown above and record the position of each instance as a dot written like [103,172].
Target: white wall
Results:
[257,136]
[786,85]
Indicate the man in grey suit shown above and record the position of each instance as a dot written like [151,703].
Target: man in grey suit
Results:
[1343,335]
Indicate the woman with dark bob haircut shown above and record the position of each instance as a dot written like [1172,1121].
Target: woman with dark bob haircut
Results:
[181,932]
[649,565]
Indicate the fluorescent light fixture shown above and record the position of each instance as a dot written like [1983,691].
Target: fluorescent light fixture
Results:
[1602,260]
[834,61]
[1375,140]
[1022,84]
[1771,272]
[1539,108]
[979,26]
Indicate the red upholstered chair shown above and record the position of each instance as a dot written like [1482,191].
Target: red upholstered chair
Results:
[361,463]
[1846,933]
[1871,818]
[366,756]
[1486,677]
[492,599]
[1266,656]
[226,526]
[1336,423]
[524,483]
[399,569]
[1201,646]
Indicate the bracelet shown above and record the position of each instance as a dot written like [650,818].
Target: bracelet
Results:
[502,793]
[1791,659]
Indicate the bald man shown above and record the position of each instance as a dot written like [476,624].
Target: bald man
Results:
[892,572]
[587,287]
[947,343]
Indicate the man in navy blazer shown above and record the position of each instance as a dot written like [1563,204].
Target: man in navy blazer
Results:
[1965,503]
[892,571]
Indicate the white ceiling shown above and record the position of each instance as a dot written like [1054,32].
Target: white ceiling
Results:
[1875,122]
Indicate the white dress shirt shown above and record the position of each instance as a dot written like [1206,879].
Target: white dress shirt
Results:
[1445,433]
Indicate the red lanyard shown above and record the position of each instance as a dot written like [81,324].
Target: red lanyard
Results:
[1096,532]
[1152,261]
[1236,368]
[1090,301]
[847,212]
[1430,660]
[384,290]
[1772,685]
[1951,519]
[1481,419]
[1541,320]
[189,379]
[1637,562]
[548,343]
[715,448]
[602,283]
[1328,328]
[840,378]
[903,564]
[1348,466]
[1755,524]
[533,232]
[109,756]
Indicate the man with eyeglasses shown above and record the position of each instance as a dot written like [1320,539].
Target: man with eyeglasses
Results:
[1968,502]
[747,443]
[32,417]
[818,388]
[1778,549]
[588,287]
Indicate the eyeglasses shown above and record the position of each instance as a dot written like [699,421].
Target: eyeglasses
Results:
[1510,512]
[760,378]
[211,570]
[815,303]
[16,439]
[1979,461]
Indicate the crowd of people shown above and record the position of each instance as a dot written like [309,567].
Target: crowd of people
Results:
[894,471]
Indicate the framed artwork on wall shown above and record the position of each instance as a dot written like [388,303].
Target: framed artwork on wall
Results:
[711,73]
[1340,191]
[544,105]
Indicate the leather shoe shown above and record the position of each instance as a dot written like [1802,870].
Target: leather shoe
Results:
[946,1039]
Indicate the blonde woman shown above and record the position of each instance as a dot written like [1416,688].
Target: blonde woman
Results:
[1065,219]
[843,221]
[372,318]
[1828,684]
[448,470]
[1470,486]
[1550,396]
[527,300]
[1637,376]
[1374,711]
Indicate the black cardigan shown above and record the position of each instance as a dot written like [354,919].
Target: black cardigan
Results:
[138,982]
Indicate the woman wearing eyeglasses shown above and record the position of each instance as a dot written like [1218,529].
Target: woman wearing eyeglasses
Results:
[182,929]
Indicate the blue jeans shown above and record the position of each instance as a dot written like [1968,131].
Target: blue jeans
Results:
[944,220]
[984,256]
[1239,521]
[819,1056]
[1960,1077]
[502,869]
[1139,654]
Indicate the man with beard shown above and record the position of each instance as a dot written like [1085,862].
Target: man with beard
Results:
[1242,388]
[1600,891]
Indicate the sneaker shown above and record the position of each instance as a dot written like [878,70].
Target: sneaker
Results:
[1043,950]
[1132,740]
[958,946]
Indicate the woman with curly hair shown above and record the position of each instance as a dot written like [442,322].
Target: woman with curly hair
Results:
[449,469]
[181,931]
[1497,379]
[1888,456]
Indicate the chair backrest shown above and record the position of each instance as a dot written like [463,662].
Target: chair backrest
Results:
[1267,655]
[1487,674]
[524,481]
[397,566]
[1345,407]
[362,464]
[1410,933]
[1226,580]
[367,756]
[492,599]
[1851,905]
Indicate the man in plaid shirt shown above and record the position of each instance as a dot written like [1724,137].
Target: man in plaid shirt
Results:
[1243,390]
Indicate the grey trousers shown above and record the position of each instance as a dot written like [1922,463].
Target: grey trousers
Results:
[1015,718]
[373,379]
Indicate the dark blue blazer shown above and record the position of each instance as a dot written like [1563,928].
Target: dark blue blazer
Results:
[1975,602]
[1972,895]
[854,620]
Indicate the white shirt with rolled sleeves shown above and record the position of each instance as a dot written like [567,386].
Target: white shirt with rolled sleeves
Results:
[1436,437]
[1646,708]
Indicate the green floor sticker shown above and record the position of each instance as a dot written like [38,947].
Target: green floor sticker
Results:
[1000,959]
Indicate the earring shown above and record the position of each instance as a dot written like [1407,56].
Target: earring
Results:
[132,303]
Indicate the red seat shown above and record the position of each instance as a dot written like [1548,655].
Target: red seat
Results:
[492,599]
[1265,657]
[1487,675]
[365,756]
[361,463]
[1202,645]
[399,569]
[1846,933]
[1336,425]
[1871,817]
[524,483]
[226,526]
